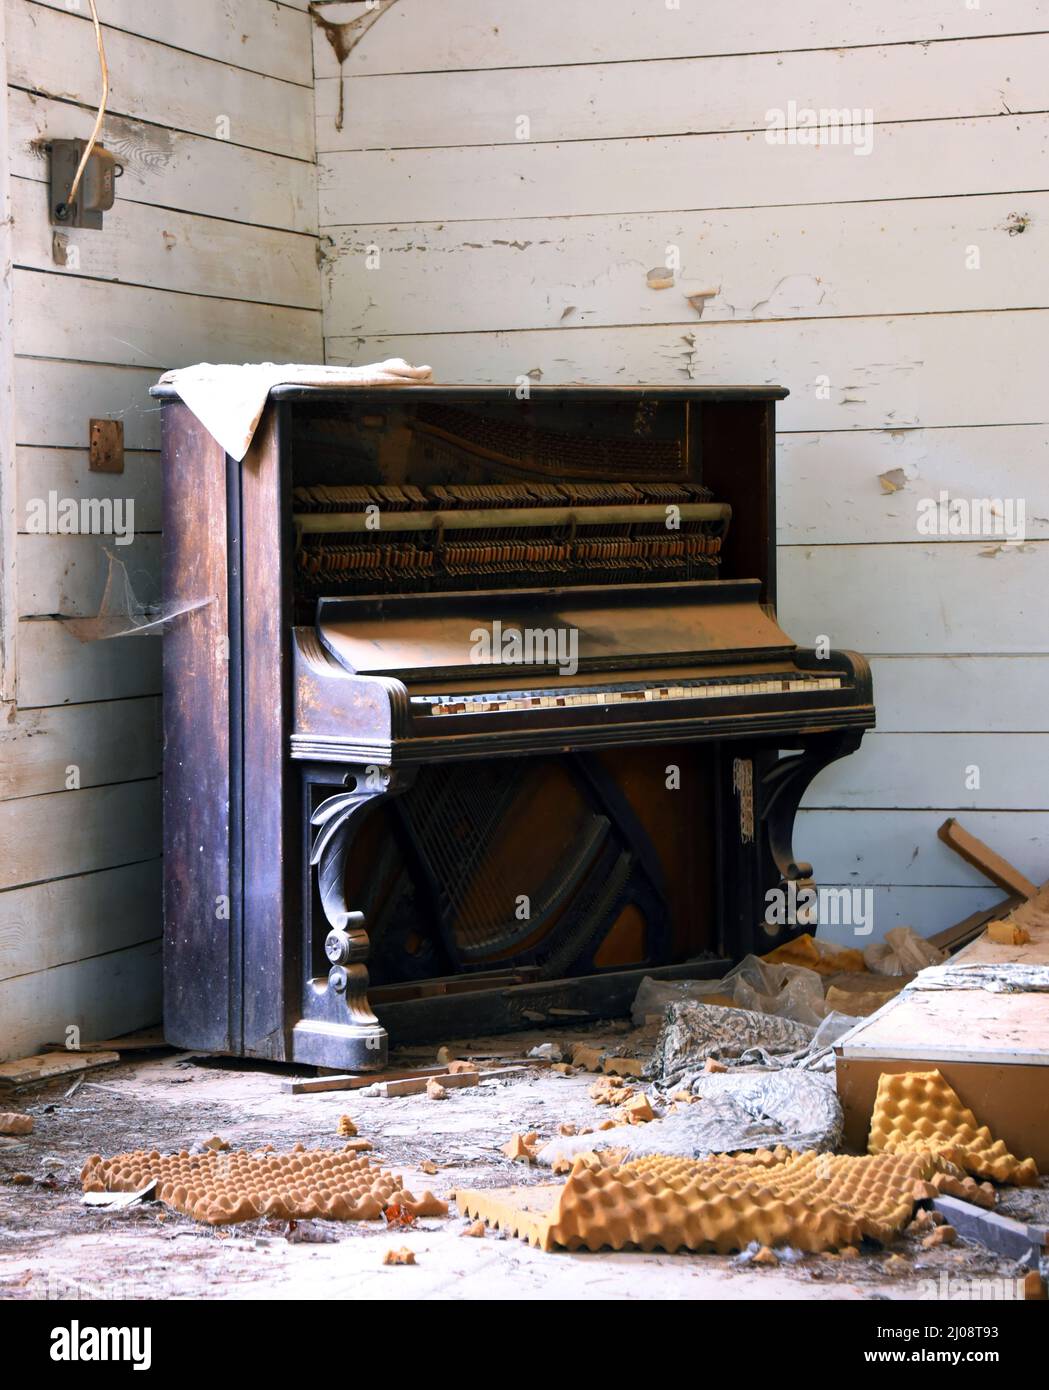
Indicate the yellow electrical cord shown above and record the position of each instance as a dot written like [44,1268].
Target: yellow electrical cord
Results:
[89,148]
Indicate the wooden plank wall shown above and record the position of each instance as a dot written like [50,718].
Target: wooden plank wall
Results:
[520,167]
[209,254]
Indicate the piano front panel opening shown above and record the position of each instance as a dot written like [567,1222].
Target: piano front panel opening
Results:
[526,869]
[450,496]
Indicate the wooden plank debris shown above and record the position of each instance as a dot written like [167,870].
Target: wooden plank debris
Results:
[1016,1240]
[982,857]
[28,1071]
[355,1081]
[416,1080]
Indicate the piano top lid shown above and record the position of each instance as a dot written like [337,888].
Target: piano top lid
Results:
[618,628]
[675,391]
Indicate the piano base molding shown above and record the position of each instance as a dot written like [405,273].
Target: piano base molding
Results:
[490,717]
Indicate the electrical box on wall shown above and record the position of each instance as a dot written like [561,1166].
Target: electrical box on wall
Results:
[96,191]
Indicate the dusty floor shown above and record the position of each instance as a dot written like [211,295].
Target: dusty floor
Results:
[53,1246]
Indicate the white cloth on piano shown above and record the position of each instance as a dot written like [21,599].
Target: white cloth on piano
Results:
[228,399]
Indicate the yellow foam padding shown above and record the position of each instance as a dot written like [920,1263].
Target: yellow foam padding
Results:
[222,1188]
[804,951]
[810,1201]
[919,1110]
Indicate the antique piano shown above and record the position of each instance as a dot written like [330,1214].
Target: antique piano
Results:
[487,715]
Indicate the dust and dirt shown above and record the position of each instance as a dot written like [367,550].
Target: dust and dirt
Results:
[52,1246]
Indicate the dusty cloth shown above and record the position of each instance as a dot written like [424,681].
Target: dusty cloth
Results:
[228,399]
[740,1110]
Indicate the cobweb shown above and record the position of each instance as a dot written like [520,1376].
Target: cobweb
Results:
[122,614]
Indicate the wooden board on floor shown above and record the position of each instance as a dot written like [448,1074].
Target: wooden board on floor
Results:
[28,1070]
[145,1040]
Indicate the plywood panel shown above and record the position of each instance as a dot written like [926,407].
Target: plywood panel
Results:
[66,474]
[260,35]
[893,372]
[103,997]
[77,746]
[680,96]
[169,250]
[68,833]
[97,321]
[992,154]
[155,82]
[949,694]
[505,34]
[901,847]
[962,1025]
[172,168]
[55,668]
[760,263]
[71,919]
[66,575]
[930,598]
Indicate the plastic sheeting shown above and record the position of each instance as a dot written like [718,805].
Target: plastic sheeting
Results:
[784,991]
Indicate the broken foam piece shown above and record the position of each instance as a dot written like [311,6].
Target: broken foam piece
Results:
[222,1188]
[918,1110]
[811,1201]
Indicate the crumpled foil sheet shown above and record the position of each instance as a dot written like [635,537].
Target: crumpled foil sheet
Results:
[739,1110]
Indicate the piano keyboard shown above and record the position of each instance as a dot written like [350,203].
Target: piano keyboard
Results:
[706,688]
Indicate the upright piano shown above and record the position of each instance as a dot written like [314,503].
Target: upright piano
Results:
[486,713]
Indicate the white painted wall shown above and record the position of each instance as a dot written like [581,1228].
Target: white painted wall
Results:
[209,253]
[646,128]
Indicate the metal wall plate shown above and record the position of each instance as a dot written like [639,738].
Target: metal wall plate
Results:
[97,190]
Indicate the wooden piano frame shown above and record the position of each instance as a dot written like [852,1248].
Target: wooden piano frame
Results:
[252,857]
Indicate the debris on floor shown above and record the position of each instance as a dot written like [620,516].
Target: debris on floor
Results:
[813,1202]
[708,1123]
[403,1256]
[15,1124]
[226,1188]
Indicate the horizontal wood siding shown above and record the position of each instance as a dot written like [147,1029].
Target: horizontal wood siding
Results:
[210,253]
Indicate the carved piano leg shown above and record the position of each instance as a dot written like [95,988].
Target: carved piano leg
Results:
[338,1027]
[760,793]
[785,783]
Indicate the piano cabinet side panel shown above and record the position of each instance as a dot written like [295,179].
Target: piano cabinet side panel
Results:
[270,962]
[197,884]
[736,447]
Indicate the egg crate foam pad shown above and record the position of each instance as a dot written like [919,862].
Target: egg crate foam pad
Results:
[811,1201]
[918,1110]
[222,1188]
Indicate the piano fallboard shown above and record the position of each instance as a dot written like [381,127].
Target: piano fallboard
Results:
[391,686]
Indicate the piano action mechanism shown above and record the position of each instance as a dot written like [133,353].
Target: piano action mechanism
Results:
[490,716]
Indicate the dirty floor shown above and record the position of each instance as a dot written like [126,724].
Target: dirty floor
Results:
[53,1246]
